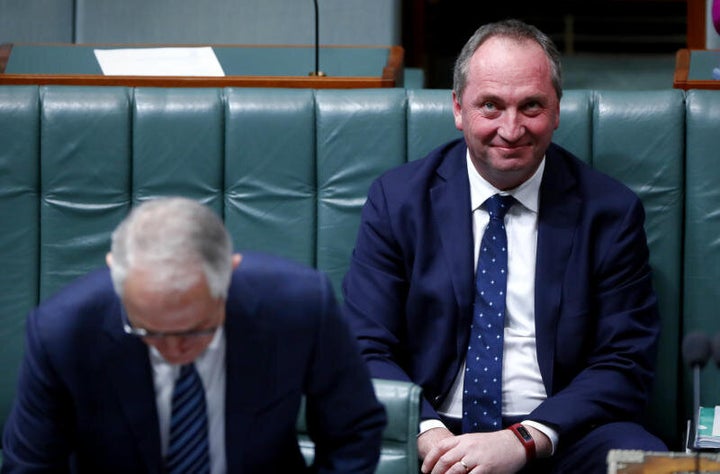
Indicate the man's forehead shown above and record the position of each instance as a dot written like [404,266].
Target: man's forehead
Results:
[511,68]
[149,282]
[498,48]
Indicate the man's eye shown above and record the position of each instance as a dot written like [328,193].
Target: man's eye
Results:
[488,106]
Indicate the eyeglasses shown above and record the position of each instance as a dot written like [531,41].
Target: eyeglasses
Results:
[147,334]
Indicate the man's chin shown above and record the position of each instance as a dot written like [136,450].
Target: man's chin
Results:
[181,360]
[512,162]
[522,153]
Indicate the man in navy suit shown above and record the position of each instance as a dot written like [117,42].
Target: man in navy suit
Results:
[102,356]
[581,323]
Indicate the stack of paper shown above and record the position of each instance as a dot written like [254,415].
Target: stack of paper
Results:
[707,434]
[159,62]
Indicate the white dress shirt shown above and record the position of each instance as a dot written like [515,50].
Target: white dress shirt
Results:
[522,385]
[211,368]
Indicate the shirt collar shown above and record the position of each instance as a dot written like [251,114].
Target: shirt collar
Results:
[527,194]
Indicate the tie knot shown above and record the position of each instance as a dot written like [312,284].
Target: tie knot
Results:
[497,205]
[186,369]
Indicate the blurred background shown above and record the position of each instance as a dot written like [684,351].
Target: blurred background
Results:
[611,44]
[605,43]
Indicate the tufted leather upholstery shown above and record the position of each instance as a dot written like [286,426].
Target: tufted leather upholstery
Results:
[289,170]
[398,454]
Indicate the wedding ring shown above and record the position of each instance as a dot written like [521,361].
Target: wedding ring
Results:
[462,463]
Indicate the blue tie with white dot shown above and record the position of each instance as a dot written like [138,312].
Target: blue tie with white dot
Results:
[482,392]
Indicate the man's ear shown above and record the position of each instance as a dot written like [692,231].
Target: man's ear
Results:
[236,259]
[108,259]
[457,111]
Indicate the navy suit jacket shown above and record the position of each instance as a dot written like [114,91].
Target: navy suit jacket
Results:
[409,290]
[86,402]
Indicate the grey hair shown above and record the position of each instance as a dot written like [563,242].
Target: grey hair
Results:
[174,237]
[513,29]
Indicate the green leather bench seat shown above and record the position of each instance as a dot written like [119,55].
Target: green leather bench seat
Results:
[289,170]
[398,454]
[701,274]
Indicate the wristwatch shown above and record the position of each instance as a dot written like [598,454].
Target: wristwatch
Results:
[525,438]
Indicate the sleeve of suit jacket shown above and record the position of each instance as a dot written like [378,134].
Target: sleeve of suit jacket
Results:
[343,416]
[377,292]
[38,432]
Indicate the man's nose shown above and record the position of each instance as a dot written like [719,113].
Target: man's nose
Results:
[171,346]
[511,126]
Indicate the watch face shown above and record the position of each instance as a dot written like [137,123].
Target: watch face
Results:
[524,432]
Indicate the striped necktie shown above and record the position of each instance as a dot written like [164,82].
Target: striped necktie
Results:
[188,442]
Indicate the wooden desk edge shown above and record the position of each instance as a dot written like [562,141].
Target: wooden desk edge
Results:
[641,462]
[682,68]
[5,50]
[302,82]
[393,70]
[392,76]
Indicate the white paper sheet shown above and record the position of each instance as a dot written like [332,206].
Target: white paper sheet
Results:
[159,62]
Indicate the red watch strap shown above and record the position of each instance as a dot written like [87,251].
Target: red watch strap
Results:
[525,438]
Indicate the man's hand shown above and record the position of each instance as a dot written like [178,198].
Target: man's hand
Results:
[498,452]
[429,439]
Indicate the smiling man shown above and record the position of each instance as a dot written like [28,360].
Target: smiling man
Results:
[509,280]
[185,357]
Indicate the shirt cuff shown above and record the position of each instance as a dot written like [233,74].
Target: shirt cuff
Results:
[426,425]
[546,430]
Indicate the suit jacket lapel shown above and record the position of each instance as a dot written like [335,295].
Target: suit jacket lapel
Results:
[557,222]
[129,370]
[451,212]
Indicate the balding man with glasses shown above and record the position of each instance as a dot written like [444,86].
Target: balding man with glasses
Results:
[185,357]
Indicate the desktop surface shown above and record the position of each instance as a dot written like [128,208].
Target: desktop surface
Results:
[242,65]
